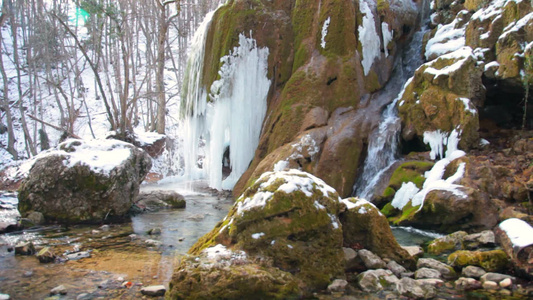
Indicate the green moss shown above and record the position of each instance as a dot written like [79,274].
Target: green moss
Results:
[389,210]
[383,5]
[372,82]
[491,261]
[301,57]
[408,212]
[412,171]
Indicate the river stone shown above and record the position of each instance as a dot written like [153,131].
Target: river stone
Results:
[351,260]
[79,183]
[4,297]
[366,227]
[155,200]
[36,218]
[431,281]
[338,285]
[481,239]
[446,271]
[396,268]
[376,280]
[447,243]
[467,284]
[414,251]
[24,248]
[78,255]
[371,260]
[290,218]
[507,282]
[491,261]
[490,285]
[473,272]
[154,290]
[412,288]
[46,255]
[423,273]
[496,277]
[58,290]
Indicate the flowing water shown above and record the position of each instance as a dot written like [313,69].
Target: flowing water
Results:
[383,141]
[119,252]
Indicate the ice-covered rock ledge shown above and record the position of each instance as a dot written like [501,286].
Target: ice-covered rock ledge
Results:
[516,238]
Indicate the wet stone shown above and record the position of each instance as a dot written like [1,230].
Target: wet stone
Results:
[154,290]
[24,248]
[78,255]
[338,285]
[4,297]
[473,272]
[371,260]
[490,285]
[59,290]
[46,255]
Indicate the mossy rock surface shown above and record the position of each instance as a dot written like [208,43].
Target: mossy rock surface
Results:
[68,186]
[365,226]
[491,261]
[448,243]
[289,217]
[231,280]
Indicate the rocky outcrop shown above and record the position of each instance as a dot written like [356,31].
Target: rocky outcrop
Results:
[84,181]
[289,218]
[365,226]
[324,58]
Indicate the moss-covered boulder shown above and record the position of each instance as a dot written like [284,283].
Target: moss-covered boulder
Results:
[222,274]
[364,226]
[84,181]
[448,243]
[290,218]
[442,96]
[491,261]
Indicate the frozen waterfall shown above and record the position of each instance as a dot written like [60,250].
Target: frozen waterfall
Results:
[223,128]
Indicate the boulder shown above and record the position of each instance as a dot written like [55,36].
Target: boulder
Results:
[352,261]
[155,200]
[365,226]
[84,181]
[376,280]
[229,275]
[290,218]
[396,268]
[412,288]
[496,277]
[491,261]
[414,251]
[485,238]
[442,96]
[516,238]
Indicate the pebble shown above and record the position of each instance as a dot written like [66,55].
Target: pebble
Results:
[181,239]
[104,228]
[490,285]
[4,297]
[95,231]
[507,282]
[338,285]
[121,279]
[27,274]
[78,255]
[59,290]
[83,296]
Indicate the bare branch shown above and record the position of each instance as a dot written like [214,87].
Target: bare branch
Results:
[54,126]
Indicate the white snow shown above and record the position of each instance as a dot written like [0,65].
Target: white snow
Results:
[281,165]
[387,37]
[257,236]
[468,105]
[294,180]
[447,39]
[436,140]
[368,36]
[406,192]
[220,252]
[492,64]
[319,206]
[519,232]
[359,202]
[516,26]
[362,210]
[460,56]
[334,221]
[325,32]
[434,177]
[306,145]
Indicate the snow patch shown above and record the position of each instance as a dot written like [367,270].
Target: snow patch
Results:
[256,236]
[325,32]
[368,36]
[519,232]
[220,252]
[387,37]
[469,107]
[460,55]
[281,165]
[447,39]
[404,195]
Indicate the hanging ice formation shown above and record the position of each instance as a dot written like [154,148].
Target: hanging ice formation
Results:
[223,127]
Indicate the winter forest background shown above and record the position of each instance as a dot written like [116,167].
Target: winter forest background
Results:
[64,65]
